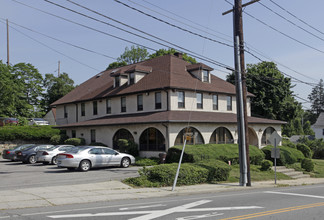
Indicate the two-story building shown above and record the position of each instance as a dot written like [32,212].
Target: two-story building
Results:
[318,127]
[153,102]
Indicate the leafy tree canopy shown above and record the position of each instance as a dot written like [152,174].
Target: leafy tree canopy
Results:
[317,98]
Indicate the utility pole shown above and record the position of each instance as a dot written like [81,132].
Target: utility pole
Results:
[241,91]
[58,70]
[7,42]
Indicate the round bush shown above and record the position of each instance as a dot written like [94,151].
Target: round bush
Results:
[75,141]
[266,165]
[287,155]
[305,150]
[55,140]
[307,164]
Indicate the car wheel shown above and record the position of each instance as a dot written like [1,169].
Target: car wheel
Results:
[125,162]
[54,160]
[32,159]
[85,165]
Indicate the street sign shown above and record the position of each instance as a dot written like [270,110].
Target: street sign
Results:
[275,153]
[274,138]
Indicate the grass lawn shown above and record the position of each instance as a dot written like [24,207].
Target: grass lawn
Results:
[318,168]
[256,174]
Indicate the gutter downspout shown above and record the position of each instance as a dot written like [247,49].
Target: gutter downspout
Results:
[167,135]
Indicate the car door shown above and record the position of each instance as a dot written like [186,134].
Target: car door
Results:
[111,157]
[96,157]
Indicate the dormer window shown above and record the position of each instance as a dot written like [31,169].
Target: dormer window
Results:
[205,74]
[117,81]
[131,78]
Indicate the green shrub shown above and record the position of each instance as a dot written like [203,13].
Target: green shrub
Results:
[218,170]
[98,144]
[287,155]
[266,165]
[224,152]
[11,133]
[164,174]
[122,144]
[305,150]
[132,148]
[307,164]
[141,181]
[75,141]
[288,143]
[58,139]
[147,161]
[318,152]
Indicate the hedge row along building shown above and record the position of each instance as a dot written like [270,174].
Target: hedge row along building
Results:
[152,102]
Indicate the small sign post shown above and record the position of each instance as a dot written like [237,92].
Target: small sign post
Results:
[275,153]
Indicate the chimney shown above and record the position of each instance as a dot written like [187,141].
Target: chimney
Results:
[178,54]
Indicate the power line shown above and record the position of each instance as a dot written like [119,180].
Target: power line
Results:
[45,45]
[173,25]
[304,22]
[291,21]
[67,43]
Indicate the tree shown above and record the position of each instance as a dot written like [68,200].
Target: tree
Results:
[116,65]
[273,95]
[317,98]
[8,91]
[56,87]
[163,52]
[133,55]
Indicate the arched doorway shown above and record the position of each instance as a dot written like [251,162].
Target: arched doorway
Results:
[221,136]
[121,134]
[266,135]
[152,139]
[253,138]
[193,133]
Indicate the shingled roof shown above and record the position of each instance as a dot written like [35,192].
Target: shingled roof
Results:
[171,117]
[163,72]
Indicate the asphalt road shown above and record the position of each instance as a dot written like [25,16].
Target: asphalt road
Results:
[288,203]
[16,175]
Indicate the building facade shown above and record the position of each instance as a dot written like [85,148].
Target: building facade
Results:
[155,102]
[318,127]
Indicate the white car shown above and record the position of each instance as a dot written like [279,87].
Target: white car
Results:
[87,157]
[38,121]
[50,155]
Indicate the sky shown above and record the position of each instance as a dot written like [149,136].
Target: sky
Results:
[289,33]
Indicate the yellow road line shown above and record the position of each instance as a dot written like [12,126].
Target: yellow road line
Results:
[276,211]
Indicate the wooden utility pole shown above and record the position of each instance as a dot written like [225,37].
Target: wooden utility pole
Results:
[58,70]
[241,83]
[7,42]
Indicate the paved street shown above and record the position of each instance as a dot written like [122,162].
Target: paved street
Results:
[16,175]
[289,203]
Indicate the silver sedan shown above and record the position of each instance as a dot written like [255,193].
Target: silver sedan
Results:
[87,157]
[50,155]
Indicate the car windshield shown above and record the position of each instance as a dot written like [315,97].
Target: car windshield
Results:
[76,150]
[22,147]
[52,148]
[39,119]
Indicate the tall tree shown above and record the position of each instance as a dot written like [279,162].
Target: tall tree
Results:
[317,98]
[8,91]
[133,55]
[56,88]
[162,52]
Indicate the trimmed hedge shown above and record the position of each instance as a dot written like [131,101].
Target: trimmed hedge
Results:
[307,164]
[10,133]
[147,161]
[218,170]
[223,152]
[75,141]
[266,165]
[288,155]
[305,150]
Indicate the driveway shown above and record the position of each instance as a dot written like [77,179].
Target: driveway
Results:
[16,175]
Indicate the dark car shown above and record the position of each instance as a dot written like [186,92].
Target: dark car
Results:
[10,154]
[28,155]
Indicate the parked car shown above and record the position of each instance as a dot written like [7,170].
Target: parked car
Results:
[87,157]
[28,155]
[50,155]
[8,121]
[38,121]
[10,154]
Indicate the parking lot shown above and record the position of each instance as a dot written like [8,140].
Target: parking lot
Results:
[16,175]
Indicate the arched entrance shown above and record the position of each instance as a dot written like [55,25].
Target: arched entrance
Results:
[193,133]
[121,134]
[266,135]
[253,138]
[221,136]
[152,139]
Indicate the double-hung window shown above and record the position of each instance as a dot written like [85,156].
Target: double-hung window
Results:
[93,135]
[140,102]
[205,75]
[95,107]
[158,103]
[123,104]
[82,109]
[215,102]
[229,103]
[181,99]
[131,78]
[199,97]
[65,112]
[108,106]
[117,81]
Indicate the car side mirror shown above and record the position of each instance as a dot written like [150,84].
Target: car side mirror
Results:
[116,153]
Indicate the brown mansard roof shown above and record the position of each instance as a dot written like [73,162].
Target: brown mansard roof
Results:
[171,117]
[163,72]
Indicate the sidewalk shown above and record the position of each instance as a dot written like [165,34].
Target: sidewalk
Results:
[115,190]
